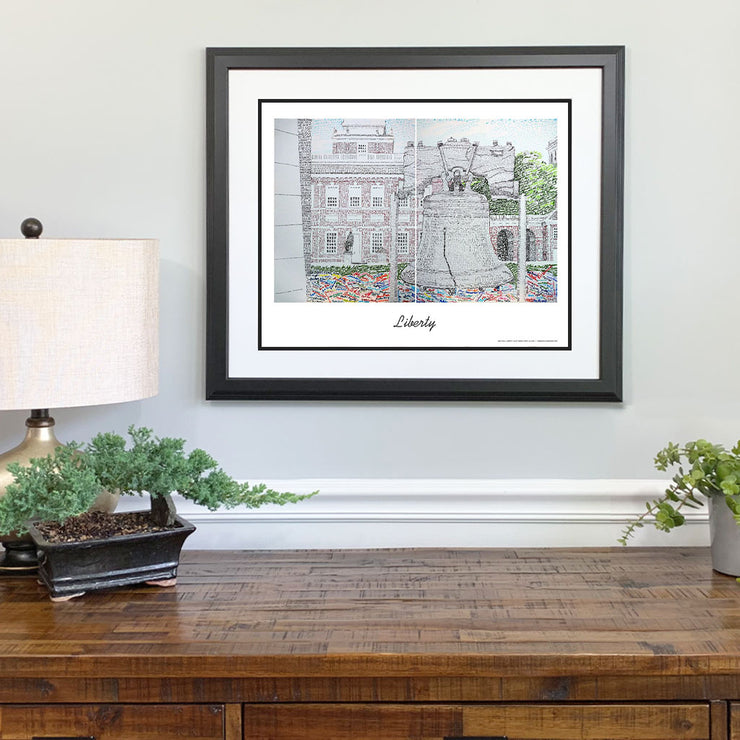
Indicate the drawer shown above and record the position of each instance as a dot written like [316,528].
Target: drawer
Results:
[734,720]
[512,721]
[112,721]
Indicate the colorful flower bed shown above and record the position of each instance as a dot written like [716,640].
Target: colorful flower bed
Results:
[366,287]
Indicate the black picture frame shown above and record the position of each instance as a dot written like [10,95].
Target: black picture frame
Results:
[606,386]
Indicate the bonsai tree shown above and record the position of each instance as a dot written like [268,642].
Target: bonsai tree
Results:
[704,469]
[66,483]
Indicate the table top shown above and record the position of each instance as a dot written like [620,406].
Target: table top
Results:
[396,612]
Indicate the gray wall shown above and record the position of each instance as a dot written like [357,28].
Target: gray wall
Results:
[102,133]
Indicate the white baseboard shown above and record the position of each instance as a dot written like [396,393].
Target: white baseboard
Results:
[369,513]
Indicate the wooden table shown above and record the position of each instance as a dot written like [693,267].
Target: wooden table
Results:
[383,644]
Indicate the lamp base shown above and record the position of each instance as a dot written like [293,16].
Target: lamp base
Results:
[19,558]
[39,441]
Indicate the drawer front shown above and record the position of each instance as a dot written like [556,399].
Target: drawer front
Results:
[112,722]
[511,721]
[734,720]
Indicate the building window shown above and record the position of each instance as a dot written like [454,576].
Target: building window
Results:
[402,242]
[376,242]
[362,148]
[355,193]
[332,196]
[376,196]
[555,233]
[331,242]
[403,201]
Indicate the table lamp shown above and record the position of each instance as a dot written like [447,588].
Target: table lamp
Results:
[78,327]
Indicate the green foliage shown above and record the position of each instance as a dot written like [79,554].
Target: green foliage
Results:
[498,206]
[349,269]
[537,180]
[504,207]
[160,466]
[52,488]
[710,470]
[549,267]
[66,483]
[481,186]
[514,267]
[344,270]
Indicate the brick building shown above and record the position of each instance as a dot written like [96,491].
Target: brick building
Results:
[353,189]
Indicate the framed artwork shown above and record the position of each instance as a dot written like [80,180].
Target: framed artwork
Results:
[415,224]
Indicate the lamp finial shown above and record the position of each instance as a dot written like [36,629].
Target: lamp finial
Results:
[31,228]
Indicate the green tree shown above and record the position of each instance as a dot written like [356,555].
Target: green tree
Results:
[499,206]
[537,180]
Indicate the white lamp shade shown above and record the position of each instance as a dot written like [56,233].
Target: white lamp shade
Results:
[79,321]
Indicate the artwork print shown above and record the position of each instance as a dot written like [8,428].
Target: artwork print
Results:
[415,223]
[428,210]
[418,212]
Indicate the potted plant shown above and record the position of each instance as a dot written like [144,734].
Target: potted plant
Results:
[81,550]
[704,471]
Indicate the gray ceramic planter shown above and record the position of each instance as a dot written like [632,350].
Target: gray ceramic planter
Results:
[724,536]
[69,569]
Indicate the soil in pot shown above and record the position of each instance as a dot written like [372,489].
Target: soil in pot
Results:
[98,525]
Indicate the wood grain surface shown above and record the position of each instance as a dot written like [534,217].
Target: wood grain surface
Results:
[112,722]
[411,615]
[735,720]
[515,722]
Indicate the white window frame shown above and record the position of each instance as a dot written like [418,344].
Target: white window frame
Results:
[332,192]
[376,242]
[355,191]
[374,190]
[331,248]
[402,242]
[362,147]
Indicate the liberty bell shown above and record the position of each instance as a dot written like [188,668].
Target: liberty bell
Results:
[456,249]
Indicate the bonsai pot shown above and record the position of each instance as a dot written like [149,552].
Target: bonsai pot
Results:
[724,537]
[69,569]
